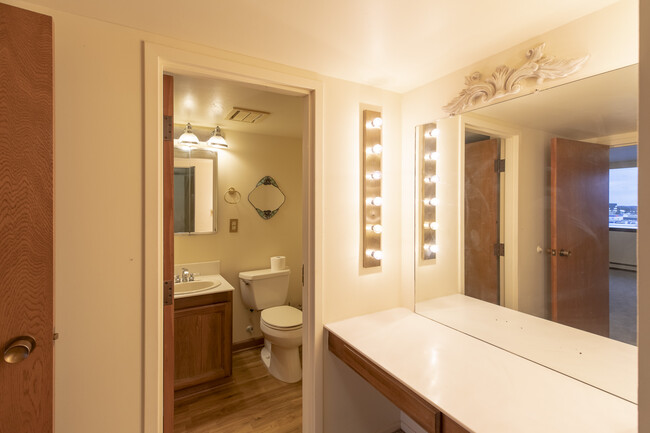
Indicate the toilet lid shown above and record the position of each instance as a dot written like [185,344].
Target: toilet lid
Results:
[282,317]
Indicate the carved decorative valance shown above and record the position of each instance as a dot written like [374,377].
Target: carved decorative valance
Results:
[507,81]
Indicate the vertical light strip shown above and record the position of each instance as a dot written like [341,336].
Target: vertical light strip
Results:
[428,182]
[371,154]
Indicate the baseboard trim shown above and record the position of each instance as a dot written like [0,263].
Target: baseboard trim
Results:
[247,344]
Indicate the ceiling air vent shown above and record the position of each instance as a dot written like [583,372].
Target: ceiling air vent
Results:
[246,115]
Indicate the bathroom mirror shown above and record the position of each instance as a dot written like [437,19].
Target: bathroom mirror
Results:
[549,232]
[195,188]
[266,197]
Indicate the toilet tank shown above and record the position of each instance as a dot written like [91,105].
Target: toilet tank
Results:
[264,288]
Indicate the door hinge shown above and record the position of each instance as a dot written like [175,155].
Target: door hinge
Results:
[168,128]
[500,165]
[499,250]
[168,292]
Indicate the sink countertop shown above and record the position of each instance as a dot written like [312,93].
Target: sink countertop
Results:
[224,286]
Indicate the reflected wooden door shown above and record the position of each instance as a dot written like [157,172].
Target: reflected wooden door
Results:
[482,220]
[26,207]
[580,235]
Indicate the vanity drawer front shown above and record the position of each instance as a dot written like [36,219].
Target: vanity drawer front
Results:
[401,396]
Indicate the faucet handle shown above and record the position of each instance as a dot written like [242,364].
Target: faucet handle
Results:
[191,278]
[177,278]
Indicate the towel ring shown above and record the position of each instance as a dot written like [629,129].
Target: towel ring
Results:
[232,196]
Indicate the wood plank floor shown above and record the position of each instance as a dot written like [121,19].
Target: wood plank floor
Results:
[255,402]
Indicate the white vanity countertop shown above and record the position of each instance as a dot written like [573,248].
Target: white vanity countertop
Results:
[484,388]
[602,362]
[223,286]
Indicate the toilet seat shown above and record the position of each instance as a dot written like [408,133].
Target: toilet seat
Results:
[282,318]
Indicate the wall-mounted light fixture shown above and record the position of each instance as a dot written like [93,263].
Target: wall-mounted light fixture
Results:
[371,154]
[427,136]
[188,140]
[217,140]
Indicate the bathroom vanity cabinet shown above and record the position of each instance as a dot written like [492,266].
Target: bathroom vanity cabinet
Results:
[202,343]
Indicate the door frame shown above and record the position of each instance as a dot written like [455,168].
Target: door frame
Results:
[157,60]
[510,137]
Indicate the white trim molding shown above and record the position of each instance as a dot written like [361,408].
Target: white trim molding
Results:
[506,81]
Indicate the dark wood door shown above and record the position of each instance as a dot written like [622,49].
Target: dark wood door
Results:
[168,258]
[482,220]
[580,235]
[26,207]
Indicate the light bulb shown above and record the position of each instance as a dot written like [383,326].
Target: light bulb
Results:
[433,133]
[431,247]
[375,150]
[376,122]
[431,225]
[432,179]
[431,201]
[433,156]
[375,201]
[377,228]
[375,254]
[375,175]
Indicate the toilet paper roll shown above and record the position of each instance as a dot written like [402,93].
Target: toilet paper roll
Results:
[278,263]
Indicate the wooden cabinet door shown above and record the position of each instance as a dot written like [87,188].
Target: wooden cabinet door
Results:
[26,210]
[202,344]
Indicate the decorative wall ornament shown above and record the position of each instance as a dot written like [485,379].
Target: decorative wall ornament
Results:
[507,81]
[266,197]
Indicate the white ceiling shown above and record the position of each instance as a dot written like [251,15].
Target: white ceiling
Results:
[392,44]
[206,102]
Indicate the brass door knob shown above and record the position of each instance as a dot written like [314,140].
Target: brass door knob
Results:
[19,349]
[565,253]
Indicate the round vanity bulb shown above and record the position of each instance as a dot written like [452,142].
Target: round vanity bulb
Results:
[375,254]
[375,150]
[431,247]
[430,201]
[432,133]
[375,175]
[375,201]
[376,122]
[433,156]
[432,179]
[431,225]
[377,228]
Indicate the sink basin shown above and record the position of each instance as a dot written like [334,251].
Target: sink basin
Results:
[195,286]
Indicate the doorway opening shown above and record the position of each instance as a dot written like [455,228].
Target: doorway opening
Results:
[158,61]
[220,345]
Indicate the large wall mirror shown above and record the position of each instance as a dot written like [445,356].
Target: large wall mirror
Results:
[195,189]
[545,192]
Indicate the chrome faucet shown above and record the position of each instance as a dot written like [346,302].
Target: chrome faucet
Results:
[185,275]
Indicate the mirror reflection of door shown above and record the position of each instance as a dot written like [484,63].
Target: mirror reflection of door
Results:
[579,235]
[482,228]
[184,199]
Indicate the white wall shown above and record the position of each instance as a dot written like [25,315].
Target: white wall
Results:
[349,289]
[622,249]
[249,158]
[99,223]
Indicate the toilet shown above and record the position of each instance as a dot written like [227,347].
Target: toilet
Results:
[281,325]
